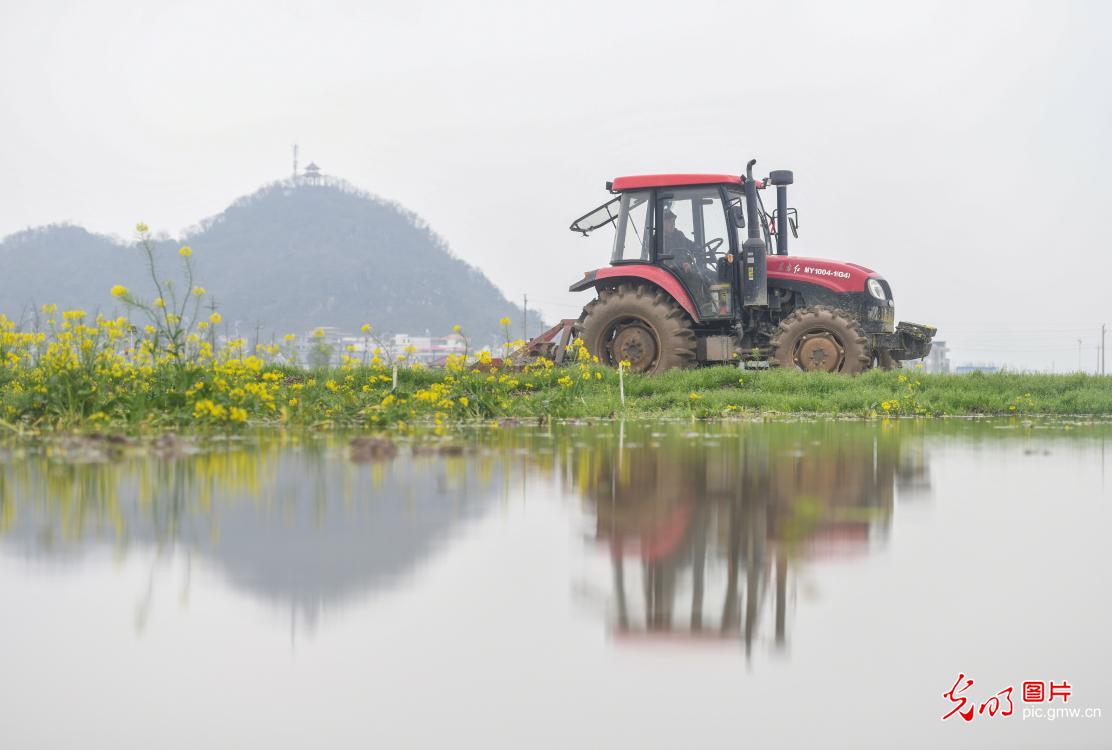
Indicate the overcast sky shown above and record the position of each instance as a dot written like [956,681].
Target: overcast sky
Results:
[960,149]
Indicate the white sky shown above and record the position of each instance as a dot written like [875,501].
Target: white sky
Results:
[960,149]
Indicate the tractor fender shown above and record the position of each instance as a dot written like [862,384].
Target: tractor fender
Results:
[653,275]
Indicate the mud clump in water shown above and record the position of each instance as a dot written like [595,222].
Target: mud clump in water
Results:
[366,449]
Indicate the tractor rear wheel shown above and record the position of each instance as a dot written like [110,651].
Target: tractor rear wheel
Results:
[820,338]
[638,324]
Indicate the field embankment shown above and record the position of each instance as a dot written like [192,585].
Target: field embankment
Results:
[232,393]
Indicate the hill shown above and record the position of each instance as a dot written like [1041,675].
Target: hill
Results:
[288,257]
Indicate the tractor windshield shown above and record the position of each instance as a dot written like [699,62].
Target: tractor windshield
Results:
[600,217]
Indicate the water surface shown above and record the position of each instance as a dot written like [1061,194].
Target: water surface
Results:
[646,584]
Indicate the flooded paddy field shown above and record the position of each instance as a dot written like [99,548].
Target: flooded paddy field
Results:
[807,583]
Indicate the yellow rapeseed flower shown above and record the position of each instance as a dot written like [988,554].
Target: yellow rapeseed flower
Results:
[142,228]
[456,328]
[504,321]
[119,290]
[215,318]
[199,291]
[159,302]
[185,251]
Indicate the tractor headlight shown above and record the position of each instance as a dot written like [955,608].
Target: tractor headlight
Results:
[876,289]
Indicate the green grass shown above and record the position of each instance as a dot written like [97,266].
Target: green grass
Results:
[782,391]
[909,392]
[229,397]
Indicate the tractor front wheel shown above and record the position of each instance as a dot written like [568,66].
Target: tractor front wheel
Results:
[820,338]
[640,325]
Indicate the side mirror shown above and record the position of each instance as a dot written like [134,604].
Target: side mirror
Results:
[737,217]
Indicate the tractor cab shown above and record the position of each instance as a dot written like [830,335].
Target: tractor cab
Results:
[684,224]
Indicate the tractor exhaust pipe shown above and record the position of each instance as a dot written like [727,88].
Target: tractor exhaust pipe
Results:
[754,280]
[781,178]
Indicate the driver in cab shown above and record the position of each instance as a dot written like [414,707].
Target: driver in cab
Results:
[685,253]
[687,256]
[676,242]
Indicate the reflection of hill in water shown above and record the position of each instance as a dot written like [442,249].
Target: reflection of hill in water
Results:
[305,528]
[324,552]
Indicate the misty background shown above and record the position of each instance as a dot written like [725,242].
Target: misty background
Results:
[958,149]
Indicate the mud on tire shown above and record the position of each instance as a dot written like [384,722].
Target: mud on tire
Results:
[640,324]
[820,338]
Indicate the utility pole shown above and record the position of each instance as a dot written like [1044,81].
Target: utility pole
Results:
[1103,326]
[212,326]
[1079,355]
[524,317]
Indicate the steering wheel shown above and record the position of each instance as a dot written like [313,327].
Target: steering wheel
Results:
[710,250]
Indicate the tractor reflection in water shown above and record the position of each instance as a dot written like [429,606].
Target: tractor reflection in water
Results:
[718,529]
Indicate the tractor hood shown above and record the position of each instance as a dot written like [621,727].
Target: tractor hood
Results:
[838,277]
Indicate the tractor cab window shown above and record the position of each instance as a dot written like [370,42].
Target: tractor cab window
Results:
[633,241]
[693,237]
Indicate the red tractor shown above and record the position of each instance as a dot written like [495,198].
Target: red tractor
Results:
[683,288]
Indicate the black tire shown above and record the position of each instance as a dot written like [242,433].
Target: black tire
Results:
[820,338]
[640,324]
[885,361]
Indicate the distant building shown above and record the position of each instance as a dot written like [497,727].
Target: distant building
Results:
[326,345]
[968,367]
[311,175]
[938,361]
[430,350]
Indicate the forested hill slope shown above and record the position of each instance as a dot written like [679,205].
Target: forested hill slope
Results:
[288,257]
